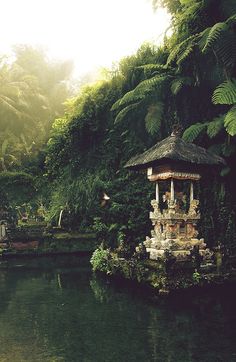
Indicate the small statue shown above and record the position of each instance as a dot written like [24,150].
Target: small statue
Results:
[147,242]
[193,209]
[155,206]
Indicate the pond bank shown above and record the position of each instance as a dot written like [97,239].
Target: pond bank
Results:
[163,276]
[38,240]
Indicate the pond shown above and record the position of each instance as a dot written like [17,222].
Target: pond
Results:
[54,309]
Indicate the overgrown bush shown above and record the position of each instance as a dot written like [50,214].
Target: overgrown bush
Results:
[99,260]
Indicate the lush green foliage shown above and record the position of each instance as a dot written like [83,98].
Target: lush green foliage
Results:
[99,259]
[32,92]
[190,80]
[19,187]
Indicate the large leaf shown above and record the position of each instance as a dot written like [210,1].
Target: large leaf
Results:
[179,83]
[215,126]
[225,93]
[214,35]
[150,70]
[129,98]
[146,88]
[125,112]
[191,133]
[225,49]
[182,50]
[154,117]
[230,121]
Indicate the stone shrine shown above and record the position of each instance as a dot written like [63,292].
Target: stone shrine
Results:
[175,166]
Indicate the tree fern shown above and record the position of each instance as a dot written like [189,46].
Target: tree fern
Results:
[129,98]
[228,149]
[125,112]
[183,50]
[222,38]
[150,70]
[230,121]
[155,83]
[191,133]
[214,35]
[179,83]
[146,88]
[203,38]
[216,148]
[215,126]
[184,55]
[154,117]
[231,21]
[225,93]
[225,49]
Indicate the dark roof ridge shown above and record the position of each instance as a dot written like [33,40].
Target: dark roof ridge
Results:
[174,148]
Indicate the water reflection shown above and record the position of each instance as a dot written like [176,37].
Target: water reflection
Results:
[55,309]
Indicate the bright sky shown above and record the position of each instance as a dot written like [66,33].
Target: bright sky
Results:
[93,33]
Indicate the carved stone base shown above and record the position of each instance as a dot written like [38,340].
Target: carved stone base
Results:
[181,249]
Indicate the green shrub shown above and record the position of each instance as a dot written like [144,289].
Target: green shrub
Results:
[99,260]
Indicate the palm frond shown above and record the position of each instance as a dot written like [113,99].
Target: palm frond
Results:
[225,93]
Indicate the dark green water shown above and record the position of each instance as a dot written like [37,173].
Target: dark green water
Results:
[55,309]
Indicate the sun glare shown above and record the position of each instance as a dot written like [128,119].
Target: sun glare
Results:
[92,33]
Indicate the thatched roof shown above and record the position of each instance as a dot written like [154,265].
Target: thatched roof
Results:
[174,148]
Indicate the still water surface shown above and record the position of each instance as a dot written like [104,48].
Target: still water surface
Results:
[54,309]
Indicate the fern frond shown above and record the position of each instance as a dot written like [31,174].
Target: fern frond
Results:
[150,70]
[215,126]
[228,149]
[216,148]
[179,49]
[144,89]
[214,35]
[225,93]
[154,117]
[191,133]
[226,49]
[155,83]
[124,113]
[179,83]
[230,121]
[129,98]
[203,38]
[231,21]
[185,53]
